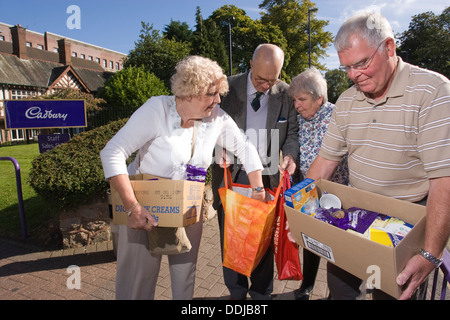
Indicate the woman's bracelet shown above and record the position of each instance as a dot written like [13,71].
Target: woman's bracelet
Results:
[128,212]
[258,189]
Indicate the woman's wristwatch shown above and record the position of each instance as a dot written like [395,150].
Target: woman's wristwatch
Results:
[435,261]
[258,189]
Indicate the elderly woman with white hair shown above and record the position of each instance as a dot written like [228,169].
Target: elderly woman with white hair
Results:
[162,132]
[309,92]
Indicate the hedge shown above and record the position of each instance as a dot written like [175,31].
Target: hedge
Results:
[72,173]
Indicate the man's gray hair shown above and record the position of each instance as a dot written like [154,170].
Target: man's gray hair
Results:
[371,26]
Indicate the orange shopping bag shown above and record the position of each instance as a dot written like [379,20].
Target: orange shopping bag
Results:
[248,227]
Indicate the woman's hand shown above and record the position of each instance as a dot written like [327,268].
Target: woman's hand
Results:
[141,219]
[259,195]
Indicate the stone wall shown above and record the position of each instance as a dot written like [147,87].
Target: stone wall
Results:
[88,224]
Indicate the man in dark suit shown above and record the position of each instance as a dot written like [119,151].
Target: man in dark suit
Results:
[261,106]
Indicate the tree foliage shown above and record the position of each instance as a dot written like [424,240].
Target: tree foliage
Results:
[156,53]
[246,34]
[283,22]
[131,87]
[291,17]
[426,43]
[337,82]
[208,41]
[178,31]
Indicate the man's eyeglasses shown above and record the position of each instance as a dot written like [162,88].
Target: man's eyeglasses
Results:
[363,64]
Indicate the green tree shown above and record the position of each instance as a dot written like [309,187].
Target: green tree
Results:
[207,41]
[157,54]
[131,87]
[291,17]
[178,31]
[426,43]
[337,82]
[247,34]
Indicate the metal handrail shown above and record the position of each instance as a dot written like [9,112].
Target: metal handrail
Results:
[19,195]
[445,269]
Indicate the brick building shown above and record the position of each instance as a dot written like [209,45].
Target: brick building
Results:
[33,64]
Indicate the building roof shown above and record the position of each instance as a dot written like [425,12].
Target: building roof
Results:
[42,68]
[30,73]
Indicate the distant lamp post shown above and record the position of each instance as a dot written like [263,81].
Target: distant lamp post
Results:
[230,50]
[309,31]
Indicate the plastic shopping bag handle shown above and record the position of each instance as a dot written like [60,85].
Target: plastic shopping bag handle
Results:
[227,175]
[286,180]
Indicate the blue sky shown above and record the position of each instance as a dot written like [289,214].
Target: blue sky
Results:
[115,24]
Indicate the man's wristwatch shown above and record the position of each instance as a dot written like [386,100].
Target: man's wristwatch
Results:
[435,261]
[258,189]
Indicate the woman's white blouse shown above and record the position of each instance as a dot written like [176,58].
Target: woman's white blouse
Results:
[164,146]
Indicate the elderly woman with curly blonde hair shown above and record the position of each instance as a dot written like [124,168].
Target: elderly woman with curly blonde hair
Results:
[162,132]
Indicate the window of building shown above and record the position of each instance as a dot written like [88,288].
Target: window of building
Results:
[104,63]
[90,58]
[117,66]
[74,54]
[83,56]
[17,134]
[2,38]
[21,94]
[97,60]
[40,47]
[29,44]
[111,65]
[21,134]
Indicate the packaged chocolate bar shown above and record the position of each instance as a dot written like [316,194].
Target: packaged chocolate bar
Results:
[354,218]
[361,219]
[194,173]
[336,217]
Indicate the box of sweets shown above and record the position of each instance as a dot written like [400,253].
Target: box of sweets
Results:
[173,203]
[367,256]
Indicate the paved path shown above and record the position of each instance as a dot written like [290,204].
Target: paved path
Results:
[27,274]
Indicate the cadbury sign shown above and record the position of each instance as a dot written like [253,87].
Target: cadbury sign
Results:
[36,114]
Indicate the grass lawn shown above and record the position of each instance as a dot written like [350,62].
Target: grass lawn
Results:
[40,218]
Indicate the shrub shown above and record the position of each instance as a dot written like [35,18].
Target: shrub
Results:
[72,173]
[131,87]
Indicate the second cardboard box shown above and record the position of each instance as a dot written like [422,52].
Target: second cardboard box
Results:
[375,263]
